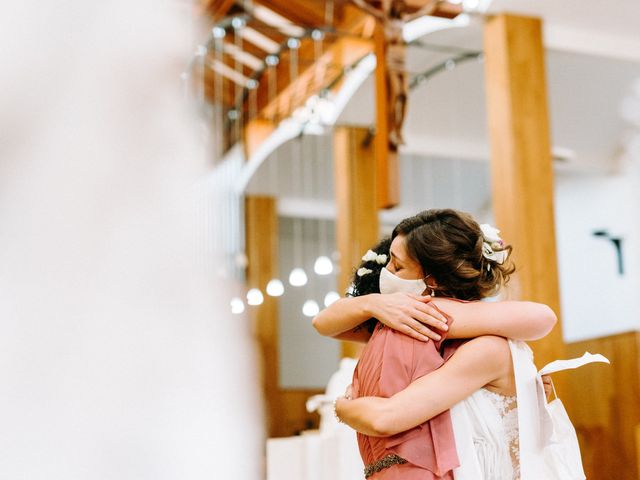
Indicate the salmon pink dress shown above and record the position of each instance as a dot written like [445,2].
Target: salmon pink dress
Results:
[389,363]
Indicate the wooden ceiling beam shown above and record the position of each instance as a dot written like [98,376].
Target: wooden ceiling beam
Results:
[216,9]
[305,14]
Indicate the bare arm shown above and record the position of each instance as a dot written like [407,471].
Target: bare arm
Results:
[417,316]
[400,311]
[475,364]
[511,319]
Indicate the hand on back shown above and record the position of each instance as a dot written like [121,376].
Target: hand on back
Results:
[412,315]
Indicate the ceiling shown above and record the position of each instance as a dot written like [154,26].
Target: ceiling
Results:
[447,115]
[587,83]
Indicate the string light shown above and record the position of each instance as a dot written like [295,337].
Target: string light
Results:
[237,306]
[275,288]
[293,43]
[238,23]
[330,298]
[298,277]
[310,308]
[323,265]
[255,297]
[218,32]
[272,60]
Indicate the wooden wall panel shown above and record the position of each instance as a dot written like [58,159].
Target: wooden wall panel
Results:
[262,253]
[285,410]
[606,407]
[357,227]
[522,173]
[295,417]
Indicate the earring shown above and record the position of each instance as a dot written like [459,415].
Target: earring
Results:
[433,292]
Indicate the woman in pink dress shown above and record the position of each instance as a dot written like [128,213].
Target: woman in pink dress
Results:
[460,267]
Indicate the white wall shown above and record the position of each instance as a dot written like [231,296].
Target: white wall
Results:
[596,300]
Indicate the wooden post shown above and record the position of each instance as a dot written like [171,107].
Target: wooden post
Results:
[285,410]
[522,172]
[356,202]
[262,254]
[388,180]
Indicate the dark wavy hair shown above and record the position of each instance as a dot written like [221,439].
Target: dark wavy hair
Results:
[448,245]
[370,282]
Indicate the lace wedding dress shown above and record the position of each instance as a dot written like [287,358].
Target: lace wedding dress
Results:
[515,438]
[486,429]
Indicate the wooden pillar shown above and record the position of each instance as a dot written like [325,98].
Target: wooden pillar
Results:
[388,179]
[262,253]
[522,172]
[357,226]
[285,410]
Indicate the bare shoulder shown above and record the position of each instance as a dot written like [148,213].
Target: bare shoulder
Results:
[489,350]
[488,345]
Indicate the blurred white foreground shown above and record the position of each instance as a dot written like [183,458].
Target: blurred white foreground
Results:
[118,356]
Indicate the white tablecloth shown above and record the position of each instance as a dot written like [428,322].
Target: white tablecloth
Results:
[315,456]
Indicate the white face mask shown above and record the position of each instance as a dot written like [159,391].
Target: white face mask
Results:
[391,283]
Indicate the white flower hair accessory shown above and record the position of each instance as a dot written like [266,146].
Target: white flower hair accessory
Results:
[492,245]
[363,271]
[371,256]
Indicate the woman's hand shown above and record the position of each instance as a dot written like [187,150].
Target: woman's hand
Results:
[548,387]
[409,314]
[348,394]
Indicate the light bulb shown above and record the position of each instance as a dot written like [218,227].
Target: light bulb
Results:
[331,297]
[218,32]
[310,308]
[298,277]
[272,60]
[238,23]
[323,265]
[293,43]
[237,305]
[254,297]
[275,288]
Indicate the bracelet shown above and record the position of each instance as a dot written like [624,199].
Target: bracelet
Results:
[335,405]
[335,411]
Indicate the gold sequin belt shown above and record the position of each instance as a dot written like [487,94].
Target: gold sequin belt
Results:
[385,462]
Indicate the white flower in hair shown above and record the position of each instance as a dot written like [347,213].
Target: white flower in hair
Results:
[498,257]
[372,256]
[363,271]
[492,246]
[490,234]
[381,259]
